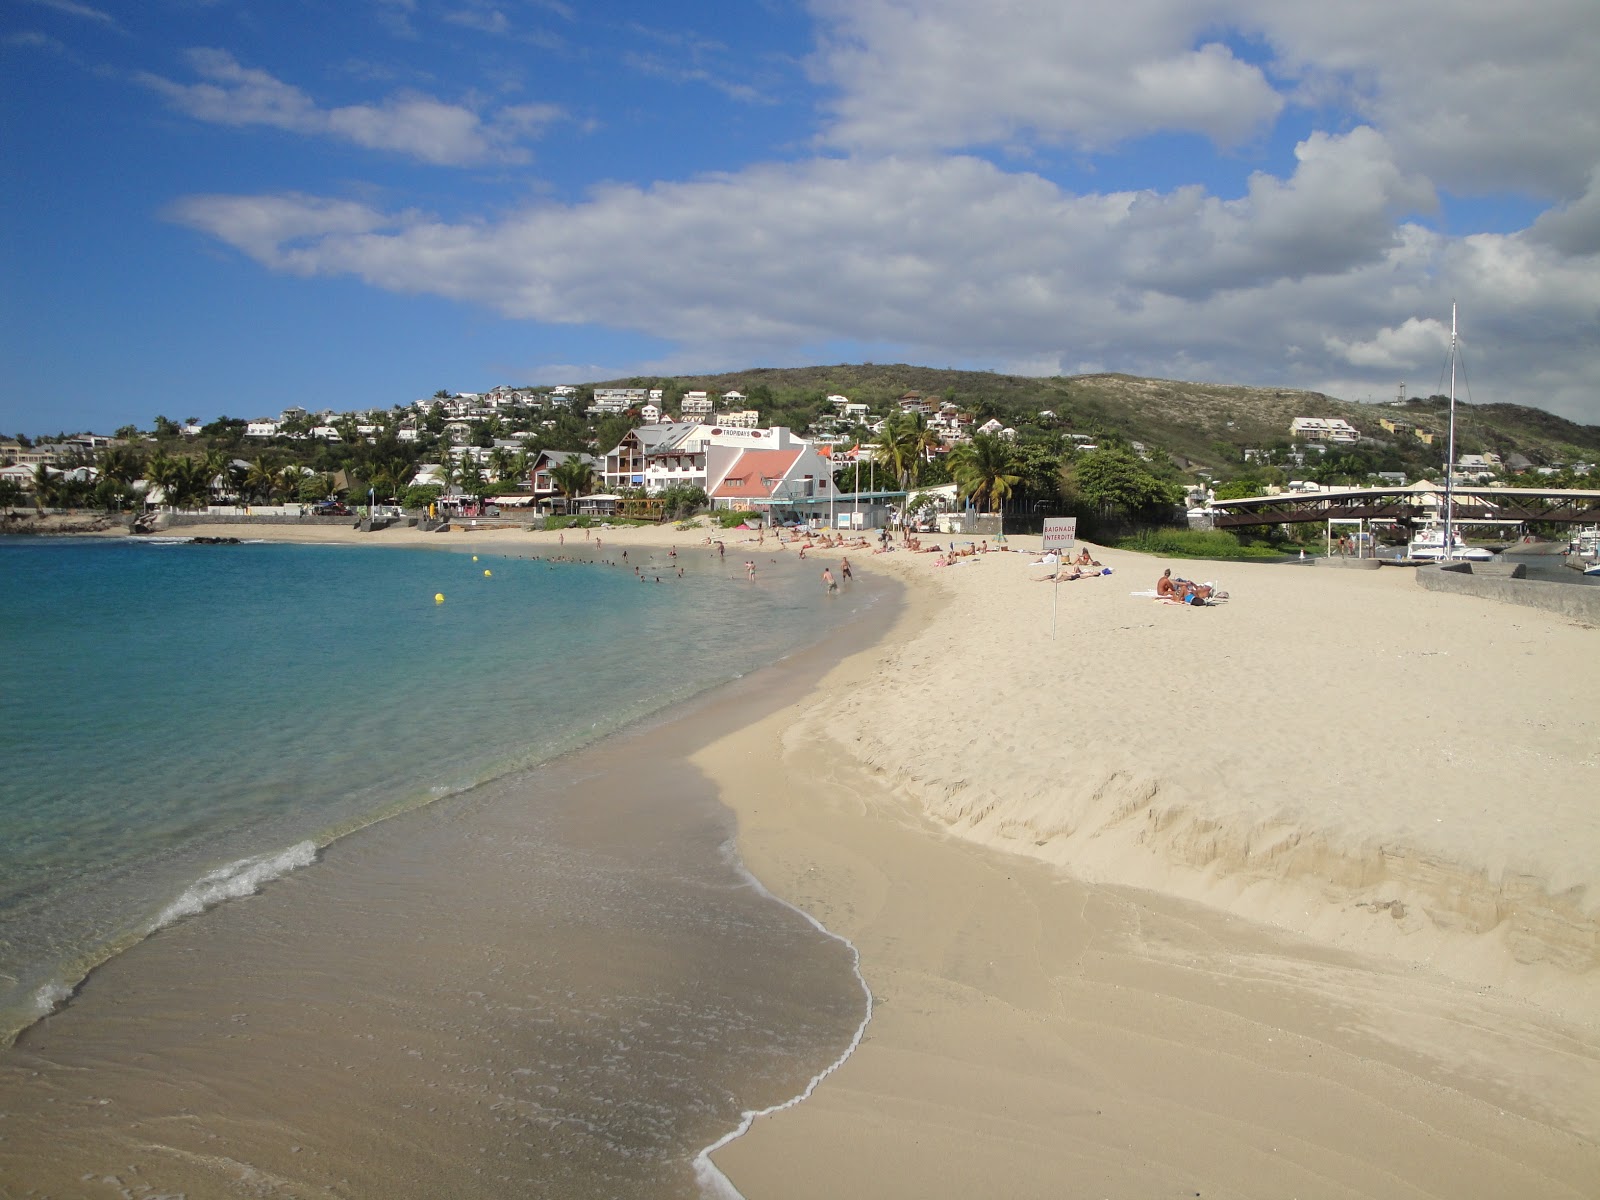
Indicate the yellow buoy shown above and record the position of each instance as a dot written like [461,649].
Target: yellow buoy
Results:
[474,558]
[487,573]
[438,597]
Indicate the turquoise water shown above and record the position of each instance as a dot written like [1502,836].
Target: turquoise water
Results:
[183,723]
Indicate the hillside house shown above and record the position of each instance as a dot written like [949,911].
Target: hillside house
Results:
[785,477]
[1325,429]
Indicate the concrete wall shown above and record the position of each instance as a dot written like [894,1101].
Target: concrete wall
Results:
[1576,602]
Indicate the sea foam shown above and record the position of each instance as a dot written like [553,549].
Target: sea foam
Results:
[712,1183]
[241,878]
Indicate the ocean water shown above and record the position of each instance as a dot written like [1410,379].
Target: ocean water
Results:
[182,724]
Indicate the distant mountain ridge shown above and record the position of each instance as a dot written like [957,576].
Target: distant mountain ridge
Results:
[1204,422]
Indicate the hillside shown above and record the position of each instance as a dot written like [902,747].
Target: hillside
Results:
[1208,424]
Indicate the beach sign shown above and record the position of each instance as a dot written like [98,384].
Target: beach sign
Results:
[1060,533]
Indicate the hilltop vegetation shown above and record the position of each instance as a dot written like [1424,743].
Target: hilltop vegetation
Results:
[1205,425]
[1113,448]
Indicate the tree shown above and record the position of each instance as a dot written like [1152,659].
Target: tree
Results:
[287,484]
[572,477]
[261,479]
[470,476]
[985,470]
[121,463]
[1115,483]
[191,483]
[45,490]
[161,471]
[219,472]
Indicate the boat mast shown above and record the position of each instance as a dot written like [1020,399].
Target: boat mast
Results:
[1450,454]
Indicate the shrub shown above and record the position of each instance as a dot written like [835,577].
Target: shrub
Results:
[1197,543]
[729,519]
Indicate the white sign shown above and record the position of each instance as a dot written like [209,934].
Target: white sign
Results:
[1060,533]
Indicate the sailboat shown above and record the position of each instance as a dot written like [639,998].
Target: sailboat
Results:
[1442,542]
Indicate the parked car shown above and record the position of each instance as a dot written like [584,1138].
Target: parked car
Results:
[332,508]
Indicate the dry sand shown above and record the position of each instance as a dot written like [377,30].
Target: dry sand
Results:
[1292,896]
[1394,787]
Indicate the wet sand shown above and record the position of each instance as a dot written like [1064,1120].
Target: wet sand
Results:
[1170,905]
[560,984]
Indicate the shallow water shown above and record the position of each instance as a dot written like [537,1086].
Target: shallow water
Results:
[558,982]
[187,722]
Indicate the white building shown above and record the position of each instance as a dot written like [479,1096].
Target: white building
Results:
[262,429]
[747,419]
[696,404]
[766,470]
[1325,429]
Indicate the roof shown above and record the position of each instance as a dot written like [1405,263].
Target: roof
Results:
[755,474]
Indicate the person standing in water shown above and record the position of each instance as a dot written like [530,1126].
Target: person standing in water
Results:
[828,583]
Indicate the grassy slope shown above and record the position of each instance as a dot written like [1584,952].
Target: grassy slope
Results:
[1195,420]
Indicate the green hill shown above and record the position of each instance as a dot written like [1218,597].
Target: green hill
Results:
[1207,424]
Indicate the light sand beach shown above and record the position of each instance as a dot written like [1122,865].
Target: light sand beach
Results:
[1291,896]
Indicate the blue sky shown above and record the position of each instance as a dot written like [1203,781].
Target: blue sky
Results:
[216,207]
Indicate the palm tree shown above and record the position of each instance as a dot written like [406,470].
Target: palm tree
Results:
[573,477]
[985,470]
[391,477]
[121,463]
[219,471]
[46,488]
[906,440]
[162,471]
[261,479]
[289,480]
[191,483]
[470,476]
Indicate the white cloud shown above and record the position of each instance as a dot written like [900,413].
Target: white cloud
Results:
[955,73]
[1479,97]
[408,123]
[73,9]
[953,260]
[1395,349]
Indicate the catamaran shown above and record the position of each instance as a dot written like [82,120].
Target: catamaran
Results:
[1427,545]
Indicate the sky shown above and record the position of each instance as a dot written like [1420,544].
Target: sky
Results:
[227,207]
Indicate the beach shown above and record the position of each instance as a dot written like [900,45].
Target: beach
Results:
[1292,895]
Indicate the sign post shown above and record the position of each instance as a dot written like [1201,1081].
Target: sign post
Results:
[1060,533]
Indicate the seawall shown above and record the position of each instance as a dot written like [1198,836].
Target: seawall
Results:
[1577,603]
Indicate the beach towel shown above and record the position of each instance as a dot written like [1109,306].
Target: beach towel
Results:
[1147,594]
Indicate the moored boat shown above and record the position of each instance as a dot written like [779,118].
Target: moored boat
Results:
[1427,545]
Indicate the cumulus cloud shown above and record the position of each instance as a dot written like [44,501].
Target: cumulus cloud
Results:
[407,123]
[1472,96]
[1479,97]
[1394,349]
[952,73]
[953,260]
[1319,274]
[1573,228]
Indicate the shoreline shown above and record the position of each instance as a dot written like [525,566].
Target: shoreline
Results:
[249,873]
[1101,886]
[1070,1008]
[313,992]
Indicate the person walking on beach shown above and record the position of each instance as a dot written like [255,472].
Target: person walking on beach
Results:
[828,584]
